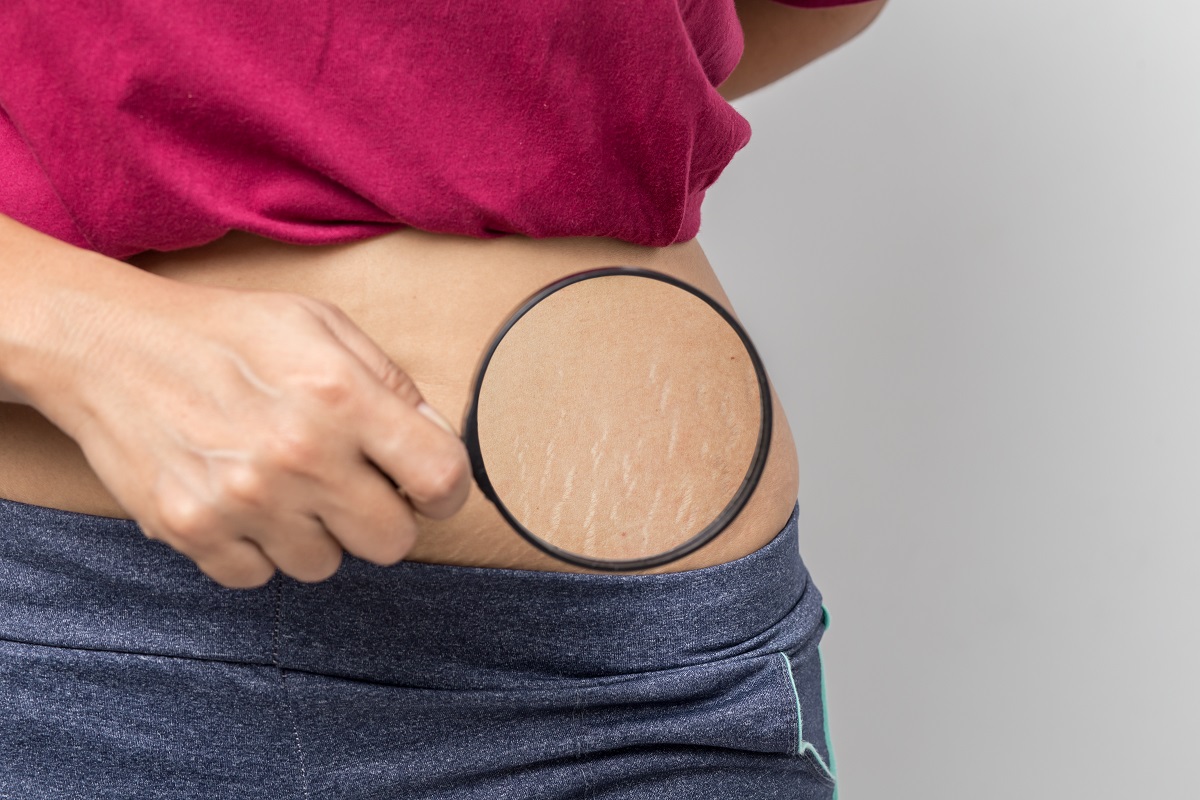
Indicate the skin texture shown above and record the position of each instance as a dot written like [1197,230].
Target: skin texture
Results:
[634,446]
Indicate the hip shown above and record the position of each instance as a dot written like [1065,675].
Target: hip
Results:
[431,302]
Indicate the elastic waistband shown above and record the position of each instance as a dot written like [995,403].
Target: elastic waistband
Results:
[76,580]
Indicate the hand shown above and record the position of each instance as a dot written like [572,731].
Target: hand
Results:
[253,430]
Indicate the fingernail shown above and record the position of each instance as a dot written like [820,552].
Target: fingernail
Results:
[428,411]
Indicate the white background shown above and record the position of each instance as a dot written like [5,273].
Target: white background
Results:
[968,245]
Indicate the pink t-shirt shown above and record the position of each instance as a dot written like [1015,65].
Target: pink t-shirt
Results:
[133,125]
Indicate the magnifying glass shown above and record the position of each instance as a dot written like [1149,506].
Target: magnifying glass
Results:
[619,419]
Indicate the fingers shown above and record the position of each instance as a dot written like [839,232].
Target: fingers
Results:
[297,510]
[240,565]
[369,516]
[302,548]
[419,455]
[240,541]
[428,460]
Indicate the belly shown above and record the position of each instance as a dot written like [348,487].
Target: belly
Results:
[432,302]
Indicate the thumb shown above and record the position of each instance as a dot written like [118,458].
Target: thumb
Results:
[394,379]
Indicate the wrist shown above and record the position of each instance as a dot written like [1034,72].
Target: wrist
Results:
[54,300]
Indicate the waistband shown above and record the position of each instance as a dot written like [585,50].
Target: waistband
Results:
[81,581]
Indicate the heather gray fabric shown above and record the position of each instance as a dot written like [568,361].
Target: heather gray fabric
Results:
[126,673]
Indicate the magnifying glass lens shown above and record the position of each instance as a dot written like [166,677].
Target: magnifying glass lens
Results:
[619,418]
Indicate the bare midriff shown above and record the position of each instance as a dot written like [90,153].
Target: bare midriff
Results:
[432,302]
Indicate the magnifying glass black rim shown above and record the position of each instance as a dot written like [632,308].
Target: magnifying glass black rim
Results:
[727,515]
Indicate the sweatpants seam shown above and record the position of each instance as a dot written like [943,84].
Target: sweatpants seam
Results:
[804,748]
[295,733]
[579,748]
[287,699]
[787,671]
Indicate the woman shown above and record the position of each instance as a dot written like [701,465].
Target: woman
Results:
[286,353]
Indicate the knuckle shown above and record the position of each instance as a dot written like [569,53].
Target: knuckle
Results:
[441,477]
[244,484]
[331,387]
[189,520]
[293,448]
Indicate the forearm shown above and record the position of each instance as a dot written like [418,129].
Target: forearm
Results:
[52,298]
[780,39]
